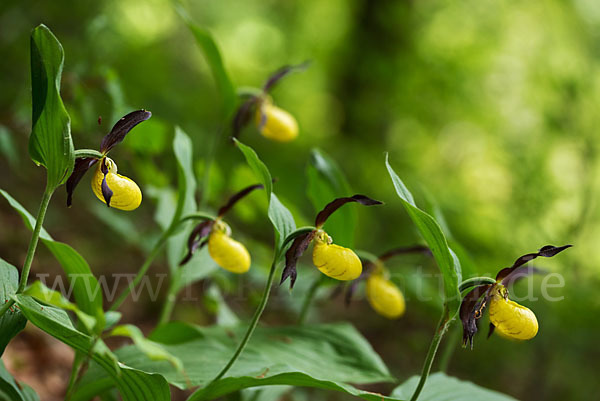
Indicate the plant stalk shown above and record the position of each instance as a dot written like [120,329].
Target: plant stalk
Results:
[253,323]
[308,299]
[435,343]
[167,309]
[140,274]
[35,236]
[452,341]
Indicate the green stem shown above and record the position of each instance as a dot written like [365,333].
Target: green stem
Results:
[452,342]
[155,251]
[39,221]
[435,343]
[253,323]
[167,310]
[475,281]
[308,299]
[35,236]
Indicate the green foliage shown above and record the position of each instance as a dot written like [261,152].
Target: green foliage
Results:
[134,385]
[280,216]
[13,321]
[10,390]
[50,143]
[433,235]
[86,290]
[323,356]
[326,182]
[441,387]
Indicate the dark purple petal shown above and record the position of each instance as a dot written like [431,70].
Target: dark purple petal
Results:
[282,72]
[235,198]
[403,250]
[293,254]
[546,251]
[243,116]
[82,165]
[470,311]
[337,203]
[491,331]
[122,128]
[196,239]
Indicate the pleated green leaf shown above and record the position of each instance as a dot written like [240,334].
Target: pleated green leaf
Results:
[50,143]
[12,321]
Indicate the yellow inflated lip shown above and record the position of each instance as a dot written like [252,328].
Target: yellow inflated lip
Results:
[126,194]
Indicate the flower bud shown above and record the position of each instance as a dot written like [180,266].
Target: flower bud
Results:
[126,195]
[385,297]
[511,319]
[227,252]
[275,123]
[336,261]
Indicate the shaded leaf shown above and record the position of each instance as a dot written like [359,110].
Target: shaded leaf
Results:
[323,356]
[134,385]
[440,387]
[12,390]
[12,321]
[432,233]
[86,290]
[326,181]
[212,54]
[50,143]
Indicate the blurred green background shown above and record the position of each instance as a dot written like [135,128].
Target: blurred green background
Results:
[487,108]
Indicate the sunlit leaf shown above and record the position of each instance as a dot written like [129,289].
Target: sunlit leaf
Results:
[50,143]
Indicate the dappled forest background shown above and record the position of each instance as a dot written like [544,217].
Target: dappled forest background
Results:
[488,108]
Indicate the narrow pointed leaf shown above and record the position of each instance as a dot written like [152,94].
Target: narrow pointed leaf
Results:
[432,233]
[13,390]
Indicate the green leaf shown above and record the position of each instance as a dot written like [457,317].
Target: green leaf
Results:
[282,219]
[186,202]
[323,356]
[8,148]
[212,54]
[199,267]
[258,167]
[326,182]
[151,349]
[50,143]
[432,233]
[440,387]
[134,385]
[280,216]
[12,321]
[13,391]
[42,293]
[86,290]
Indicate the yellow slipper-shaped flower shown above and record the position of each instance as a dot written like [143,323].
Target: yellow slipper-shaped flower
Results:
[276,124]
[385,297]
[227,252]
[126,194]
[336,261]
[511,319]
